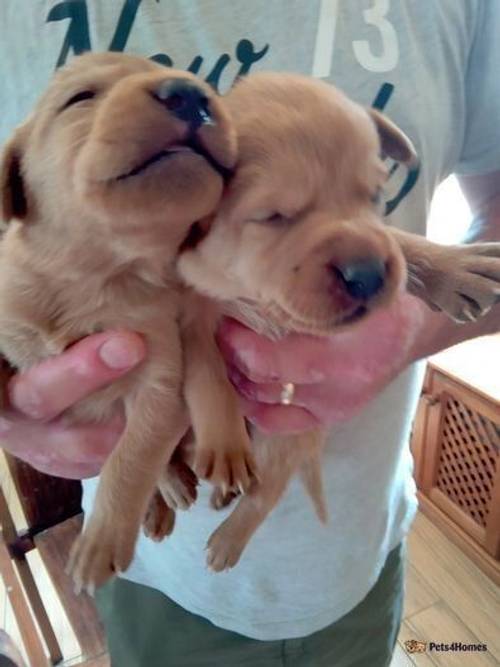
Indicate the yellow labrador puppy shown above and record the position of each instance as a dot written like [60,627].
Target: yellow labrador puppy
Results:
[100,187]
[298,245]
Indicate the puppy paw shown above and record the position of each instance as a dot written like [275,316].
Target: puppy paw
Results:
[220,498]
[466,282]
[178,486]
[228,465]
[223,550]
[103,549]
[159,520]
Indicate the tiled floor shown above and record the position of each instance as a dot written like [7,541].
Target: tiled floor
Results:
[448,599]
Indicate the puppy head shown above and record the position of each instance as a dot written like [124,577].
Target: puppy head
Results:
[299,232]
[121,147]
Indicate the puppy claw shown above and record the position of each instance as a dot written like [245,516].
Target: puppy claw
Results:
[228,466]
[204,462]
[177,493]
[219,499]
[466,282]
[468,314]
[101,551]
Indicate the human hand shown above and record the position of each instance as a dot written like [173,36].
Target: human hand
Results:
[334,377]
[32,427]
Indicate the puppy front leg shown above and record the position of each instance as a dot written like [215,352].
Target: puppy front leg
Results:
[463,281]
[222,446]
[156,421]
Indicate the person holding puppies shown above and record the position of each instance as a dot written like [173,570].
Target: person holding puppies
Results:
[303,594]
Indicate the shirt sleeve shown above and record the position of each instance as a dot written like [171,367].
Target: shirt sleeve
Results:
[480,152]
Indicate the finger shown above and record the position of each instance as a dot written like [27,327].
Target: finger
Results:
[60,449]
[50,387]
[267,392]
[279,419]
[326,402]
[295,358]
[311,360]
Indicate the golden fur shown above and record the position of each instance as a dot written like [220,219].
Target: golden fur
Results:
[94,235]
[302,202]
[95,223]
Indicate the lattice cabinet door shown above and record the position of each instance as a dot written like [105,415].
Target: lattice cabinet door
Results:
[456,443]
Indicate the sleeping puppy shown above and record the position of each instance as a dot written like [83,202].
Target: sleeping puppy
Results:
[298,245]
[100,187]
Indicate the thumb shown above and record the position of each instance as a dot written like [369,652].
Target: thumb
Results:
[57,383]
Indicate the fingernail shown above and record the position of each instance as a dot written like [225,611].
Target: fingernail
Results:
[120,353]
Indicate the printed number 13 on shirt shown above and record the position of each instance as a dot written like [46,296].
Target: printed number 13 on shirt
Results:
[383,58]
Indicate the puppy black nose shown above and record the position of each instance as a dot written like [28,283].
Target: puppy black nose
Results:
[362,279]
[185,100]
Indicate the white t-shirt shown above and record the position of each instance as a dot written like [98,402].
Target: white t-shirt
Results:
[433,66]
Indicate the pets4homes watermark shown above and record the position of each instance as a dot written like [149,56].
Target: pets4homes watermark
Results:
[416,646]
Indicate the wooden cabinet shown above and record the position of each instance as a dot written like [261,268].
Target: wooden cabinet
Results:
[456,444]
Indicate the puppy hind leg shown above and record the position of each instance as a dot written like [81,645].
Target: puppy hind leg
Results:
[312,479]
[159,521]
[227,542]
[277,459]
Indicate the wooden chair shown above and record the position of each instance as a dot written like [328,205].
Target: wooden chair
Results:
[52,507]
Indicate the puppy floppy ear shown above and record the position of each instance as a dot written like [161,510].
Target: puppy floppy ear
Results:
[394,141]
[13,201]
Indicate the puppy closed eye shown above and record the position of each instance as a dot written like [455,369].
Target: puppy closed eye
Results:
[268,217]
[81,96]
